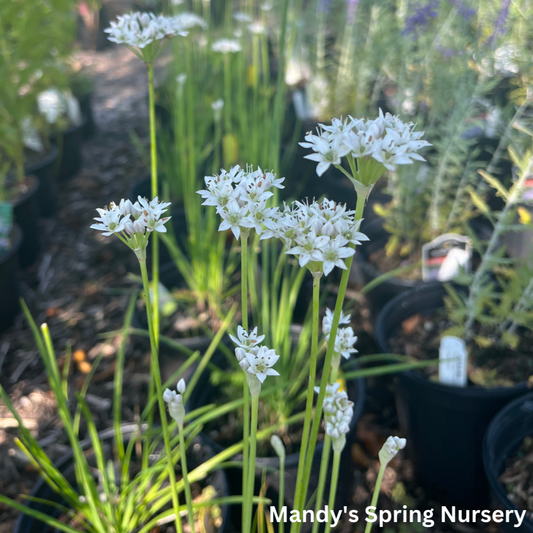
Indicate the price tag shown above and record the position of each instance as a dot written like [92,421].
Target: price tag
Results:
[6,223]
[444,257]
[453,361]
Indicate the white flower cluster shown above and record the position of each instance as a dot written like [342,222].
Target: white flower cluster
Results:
[391,447]
[53,104]
[226,46]
[386,139]
[175,402]
[132,222]
[240,198]
[255,359]
[338,411]
[319,233]
[140,29]
[189,21]
[345,338]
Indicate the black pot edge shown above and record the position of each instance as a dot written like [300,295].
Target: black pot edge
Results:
[493,476]
[127,429]
[32,190]
[51,156]
[416,375]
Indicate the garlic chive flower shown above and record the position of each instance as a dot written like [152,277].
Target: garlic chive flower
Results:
[189,21]
[240,16]
[345,338]
[318,234]
[174,401]
[143,33]
[256,361]
[226,46]
[240,199]
[257,28]
[338,413]
[390,449]
[278,446]
[327,321]
[133,223]
[376,145]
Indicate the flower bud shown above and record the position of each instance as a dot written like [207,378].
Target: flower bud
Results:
[277,444]
[182,387]
[391,447]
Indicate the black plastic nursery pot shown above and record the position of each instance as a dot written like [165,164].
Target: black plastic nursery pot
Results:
[9,280]
[70,144]
[506,433]
[444,425]
[86,108]
[26,215]
[199,451]
[45,171]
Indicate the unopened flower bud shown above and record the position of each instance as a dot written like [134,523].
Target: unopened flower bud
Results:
[182,387]
[277,444]
[391,447]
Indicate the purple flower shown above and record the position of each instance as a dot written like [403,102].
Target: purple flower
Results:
[418,22]
[499,26]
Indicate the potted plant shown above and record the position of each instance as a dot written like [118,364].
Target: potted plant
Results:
[486,319]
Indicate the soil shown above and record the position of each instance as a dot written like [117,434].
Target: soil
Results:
[15,191]
[489,367]
[518,476]
[384,263]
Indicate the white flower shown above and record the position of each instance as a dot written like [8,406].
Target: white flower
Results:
[327,321]
[247,340]
[175,402]
[261,361]
[188,21]
[141,29]
[344,342]
[226,46]
[333,252]
[242,17]
[338,411]
[328,151]
[309,248]
[110,221]
[391,447]
[181,78]
[257,28]
[277,444]
[30,135]
[54,104]
[151,214]
[217,106]
[234,218]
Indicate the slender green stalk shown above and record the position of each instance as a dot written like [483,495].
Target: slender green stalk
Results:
[248,495]
[299,500]
[185,470]
[333,486]
[227,93]
[153,167]
[324,463]
[156,377]
[375,496]
[301,487]
[281,500]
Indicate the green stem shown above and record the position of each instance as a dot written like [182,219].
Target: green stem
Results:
[375,496]
[301,486]
[244,281]
[333,486]
[248,495]
[227,93]
[299,503]
[153,161]
[281,500]
[156,378]
[324,463]
[187,487]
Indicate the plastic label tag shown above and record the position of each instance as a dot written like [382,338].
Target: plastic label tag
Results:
[444,257]
[6,223]
[453,361]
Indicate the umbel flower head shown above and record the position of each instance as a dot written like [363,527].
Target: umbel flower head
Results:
[143,33]
[338,413]
[345,338]
[390,449]
[240,198]
[319,234]
[133,223]
[226,46]
[174,400]
[374,146]
[256,361]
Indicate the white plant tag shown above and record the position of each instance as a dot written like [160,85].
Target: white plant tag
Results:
[453,361]
[444,257]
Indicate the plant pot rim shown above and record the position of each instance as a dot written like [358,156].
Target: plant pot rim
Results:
[49,157]
[33,187]
[490,470]
[16,241]
[382,339]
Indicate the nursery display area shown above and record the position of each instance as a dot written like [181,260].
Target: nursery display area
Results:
[266,266]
